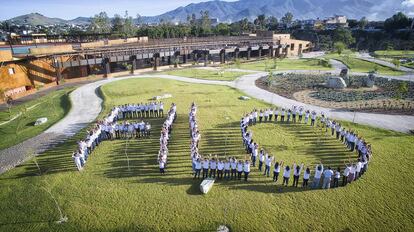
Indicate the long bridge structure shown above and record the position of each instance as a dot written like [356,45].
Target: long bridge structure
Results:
[171,51]
[20,74]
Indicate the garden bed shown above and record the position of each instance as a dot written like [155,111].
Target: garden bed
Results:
[387,96]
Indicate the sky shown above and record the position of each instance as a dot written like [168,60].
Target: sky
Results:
[70,9]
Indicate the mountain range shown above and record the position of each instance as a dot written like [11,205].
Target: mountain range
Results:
[39,19]
[233,11]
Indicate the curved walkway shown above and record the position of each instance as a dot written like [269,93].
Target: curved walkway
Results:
[87,105]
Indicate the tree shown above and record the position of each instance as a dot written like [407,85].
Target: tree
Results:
[100,23]
[117,24]
[244,24]
[339,47]
[363,23]
[353,23]
[287,19]
[205,22]
[343,35]
[272,23]
[129,28]
[397,21]
[222,29]
[260,22]
[396,62]
[402,90]
[139,20]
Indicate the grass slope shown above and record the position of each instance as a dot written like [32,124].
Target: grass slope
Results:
[398,53]
[206,74]
[54,106]
[108,196]
[358,65]
[284,64]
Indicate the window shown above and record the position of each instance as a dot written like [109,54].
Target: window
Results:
[12,71]
[292,47]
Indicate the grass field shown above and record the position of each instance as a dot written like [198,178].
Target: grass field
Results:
[54,106]
[398,53]
[206,74]
[109,196]
[284,64]
[358,65]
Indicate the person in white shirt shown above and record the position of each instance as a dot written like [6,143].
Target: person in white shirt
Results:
[246,169]
[240,167]
[296,174]
[338,129]
[289,112]
[197,168]
[317,176]
[300,114]
[77,159]
[313,118]
[147,110]
[260,116]
[286,176]
[206,165]
[251,147]
[220,169]
[276,171]
[358,169]
[233,164]
[148,130]
[227,169]
[306,177]
[269,161]
[294,112]
[337,176]
[156,110]
[255,153]
[346,174]
[261,159]
[270,114]
[352,171]
[327,177]
[266,115]
[161,109]
[194,158]
[213,167]
[162,167]
[276,112]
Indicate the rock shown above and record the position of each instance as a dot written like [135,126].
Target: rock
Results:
[344,75]
[223,228]
[344,72]
[244,98]
[206,185]
[40,121]
[370,80]
[336,83]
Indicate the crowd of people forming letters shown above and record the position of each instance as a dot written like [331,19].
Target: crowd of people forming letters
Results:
[109,128]
[322,176]
[231,168]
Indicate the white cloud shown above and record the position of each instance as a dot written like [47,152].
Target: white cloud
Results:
[408,3]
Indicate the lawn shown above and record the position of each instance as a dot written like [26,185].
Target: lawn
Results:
[358,65]
[109,196]
[54,106]
[219,75]
[284,64]
[397,53]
